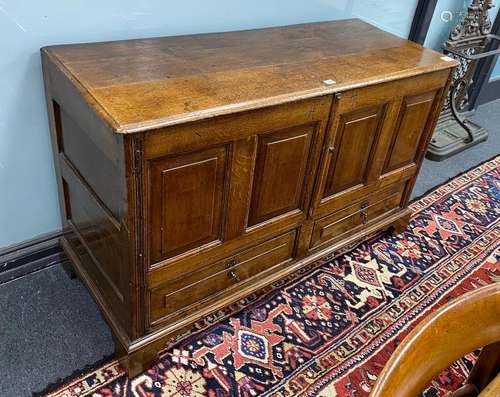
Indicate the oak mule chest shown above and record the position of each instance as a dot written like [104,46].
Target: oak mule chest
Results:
[195,170]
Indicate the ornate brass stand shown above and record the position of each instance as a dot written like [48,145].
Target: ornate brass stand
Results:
[467,43]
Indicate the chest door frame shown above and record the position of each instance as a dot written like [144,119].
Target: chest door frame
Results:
[249,158]
[376,138]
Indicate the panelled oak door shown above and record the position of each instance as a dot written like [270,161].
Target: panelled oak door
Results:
[406,138]
[354,143]
[255,186]
[374,140]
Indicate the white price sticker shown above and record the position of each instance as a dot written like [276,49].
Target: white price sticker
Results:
[447,59]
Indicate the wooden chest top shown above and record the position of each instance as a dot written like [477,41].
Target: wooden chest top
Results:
[136,85]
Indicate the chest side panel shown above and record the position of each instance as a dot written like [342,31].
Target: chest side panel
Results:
[91,166]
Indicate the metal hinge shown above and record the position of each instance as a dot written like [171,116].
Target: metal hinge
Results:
[311,211]
[137,161]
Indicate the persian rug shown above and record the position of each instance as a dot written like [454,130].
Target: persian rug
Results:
[329,330]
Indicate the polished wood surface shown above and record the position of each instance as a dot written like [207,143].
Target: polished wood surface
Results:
[187,200]
[459,327]
[492,389]
[217,277]
[137,85]
[196,170]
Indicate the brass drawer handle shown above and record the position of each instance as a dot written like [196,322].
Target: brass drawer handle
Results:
[234,276]
[231,263]
[364,216]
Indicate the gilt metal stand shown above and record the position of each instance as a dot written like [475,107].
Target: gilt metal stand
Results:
[468,42]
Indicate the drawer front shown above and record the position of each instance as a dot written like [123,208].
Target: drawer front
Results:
[334,226]
[217,277]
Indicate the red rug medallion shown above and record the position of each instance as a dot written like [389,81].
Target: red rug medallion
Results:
[328,331]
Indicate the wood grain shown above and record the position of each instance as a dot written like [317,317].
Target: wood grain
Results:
[150,83]
[459,327]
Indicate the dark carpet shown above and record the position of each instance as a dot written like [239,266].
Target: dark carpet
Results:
[434,173]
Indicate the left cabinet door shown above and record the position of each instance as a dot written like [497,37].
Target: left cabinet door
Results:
[187,201]
[216,186]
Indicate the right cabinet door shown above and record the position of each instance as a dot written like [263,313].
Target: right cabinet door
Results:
[405,138]
[378,135]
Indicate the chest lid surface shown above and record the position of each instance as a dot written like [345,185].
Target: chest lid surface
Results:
[143,84]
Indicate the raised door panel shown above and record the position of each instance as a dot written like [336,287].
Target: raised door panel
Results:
[353,148]
[186,194]
[412,119]
[279,180]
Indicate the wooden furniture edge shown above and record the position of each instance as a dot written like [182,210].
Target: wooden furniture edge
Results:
[273,101]
[132,128]
[387,379]
[93,103]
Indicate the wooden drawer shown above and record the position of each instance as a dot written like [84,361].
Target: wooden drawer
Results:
[217,277]
[335,225]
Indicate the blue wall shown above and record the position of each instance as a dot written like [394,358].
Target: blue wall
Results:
[28,199]
[495,74]
[446,15]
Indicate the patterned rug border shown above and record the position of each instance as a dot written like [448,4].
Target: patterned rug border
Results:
[457,181]
[417,314]
[417,205]
[76,376]
[432,300]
